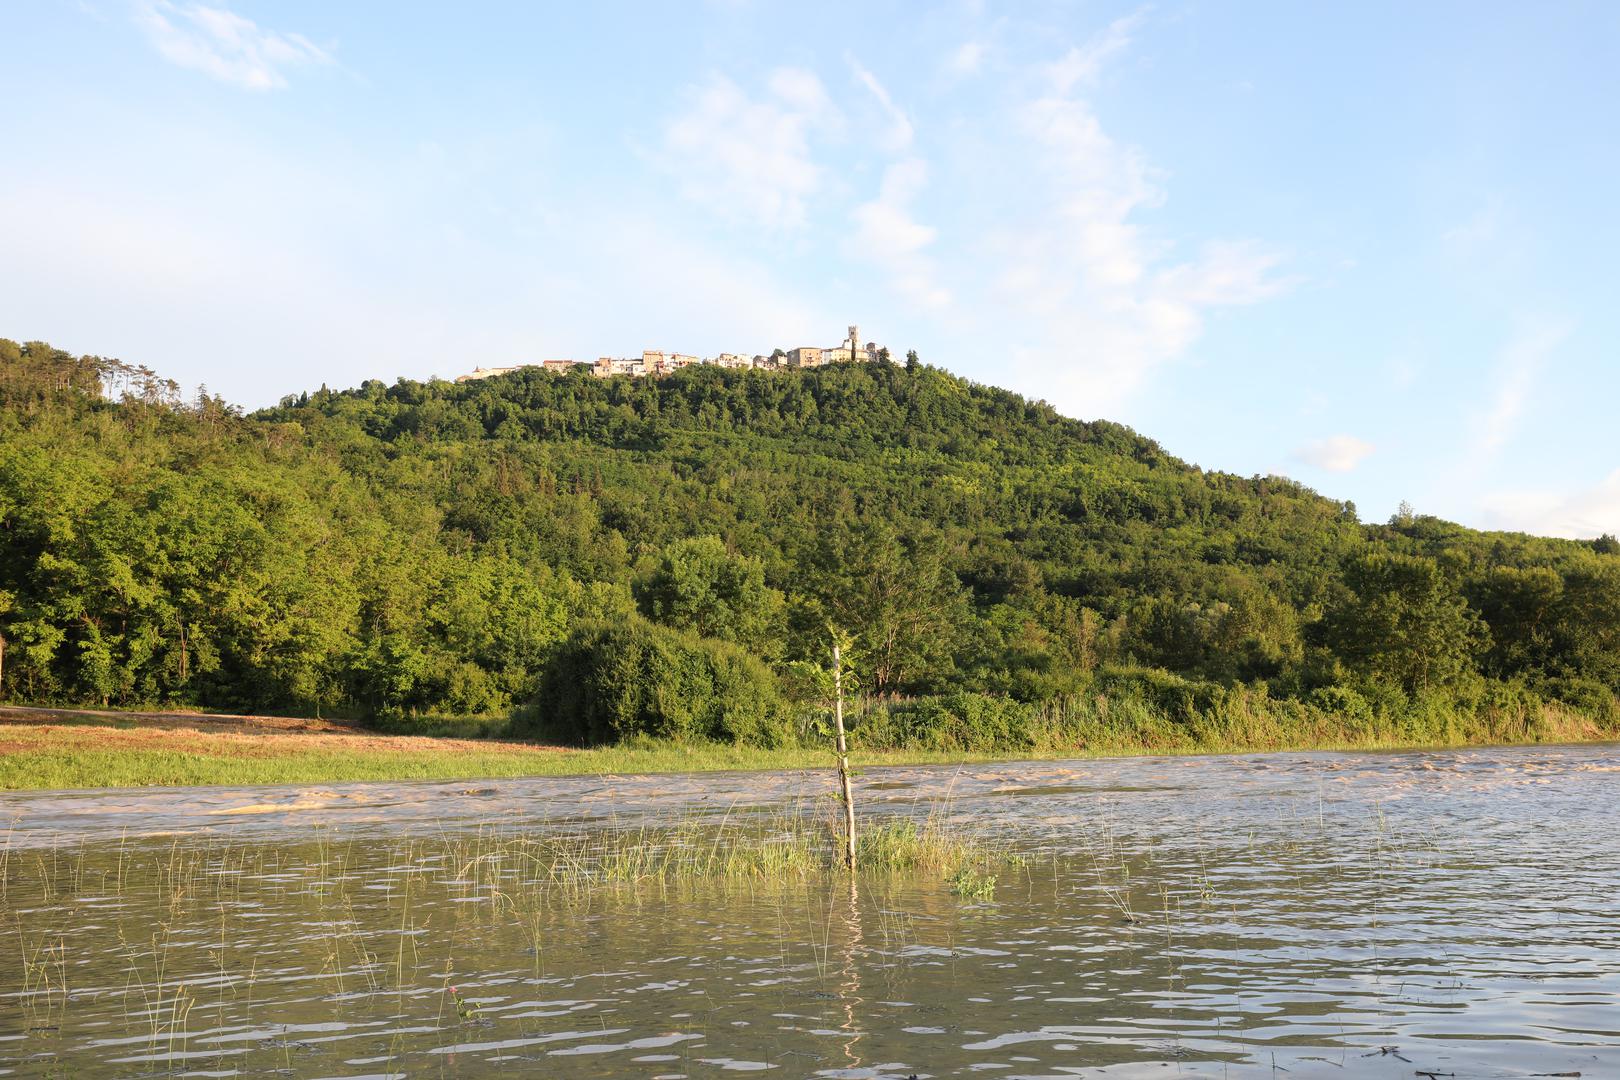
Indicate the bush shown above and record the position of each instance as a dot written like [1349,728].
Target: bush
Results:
[974,723]
[1180,700]
[1344,711]
[444,727]
[614,681]
[1587,696]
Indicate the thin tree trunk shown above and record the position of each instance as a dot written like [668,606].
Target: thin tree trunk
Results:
[843,759]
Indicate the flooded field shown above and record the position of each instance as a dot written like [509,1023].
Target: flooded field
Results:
[1414,914]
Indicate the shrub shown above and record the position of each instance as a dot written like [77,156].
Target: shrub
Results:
[613,681]
[1177,699]
[1344,711]
[1588,696]
[977,723]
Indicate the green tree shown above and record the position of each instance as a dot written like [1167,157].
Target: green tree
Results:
[428,547]
[612,681]
[1404,621]
[1587,624]
[698,585]
[898,598]
[7,602]
[1519,607]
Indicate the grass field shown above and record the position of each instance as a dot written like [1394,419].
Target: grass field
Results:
[54,749]
[57,751]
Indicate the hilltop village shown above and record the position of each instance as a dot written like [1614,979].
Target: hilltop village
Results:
[654,362]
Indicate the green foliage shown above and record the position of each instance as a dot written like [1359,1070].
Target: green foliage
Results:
[698,585]
[1351,709]
[615,681]
[971,884]
[975,723]
[897,597]
[1404,620]
[427,549]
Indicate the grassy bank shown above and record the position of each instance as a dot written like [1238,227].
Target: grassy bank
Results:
[103,750]
[57,756]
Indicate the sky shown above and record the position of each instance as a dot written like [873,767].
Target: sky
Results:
[1368,246]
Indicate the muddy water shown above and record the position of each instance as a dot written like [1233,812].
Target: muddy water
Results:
[1329,915]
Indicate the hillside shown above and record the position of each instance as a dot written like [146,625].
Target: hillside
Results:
[427,549]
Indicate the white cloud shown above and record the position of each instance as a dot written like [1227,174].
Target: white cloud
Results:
[748,158]
[1083,64]
[226,45]
[1229,272]
[1579,515]
[1336,453]
[888,236]
[1514,382]
[900,132]
[966,59]
[1102,302]
[801,90]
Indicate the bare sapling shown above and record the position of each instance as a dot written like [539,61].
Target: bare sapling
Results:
[845,790]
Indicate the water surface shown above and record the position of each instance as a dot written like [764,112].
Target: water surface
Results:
[1324,914]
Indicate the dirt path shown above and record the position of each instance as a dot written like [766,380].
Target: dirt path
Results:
[190,721]
[222,734]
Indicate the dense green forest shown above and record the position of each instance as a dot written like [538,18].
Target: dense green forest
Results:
[604,557]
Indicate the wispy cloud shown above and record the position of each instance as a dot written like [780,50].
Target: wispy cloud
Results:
[747,157]
[1104,303]
[1513,384]
[1336,453]
[1082,65]
[225,45]
[897,138]
[888,235]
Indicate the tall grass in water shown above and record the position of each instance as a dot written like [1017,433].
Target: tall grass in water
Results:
[181,949]
[781,848]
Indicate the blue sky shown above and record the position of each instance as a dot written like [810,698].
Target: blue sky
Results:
[1368,246]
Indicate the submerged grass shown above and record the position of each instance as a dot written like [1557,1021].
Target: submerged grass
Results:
[780,849]
[157,947]
[490,876]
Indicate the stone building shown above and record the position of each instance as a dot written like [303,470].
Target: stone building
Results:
[658,362]
[490,372]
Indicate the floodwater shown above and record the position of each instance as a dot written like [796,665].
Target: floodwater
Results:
[1305,915]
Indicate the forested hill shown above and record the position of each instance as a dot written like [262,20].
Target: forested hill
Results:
[431,547]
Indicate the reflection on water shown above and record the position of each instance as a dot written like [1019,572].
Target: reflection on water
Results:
[1329,915]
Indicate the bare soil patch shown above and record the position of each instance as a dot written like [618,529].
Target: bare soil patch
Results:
[26,728]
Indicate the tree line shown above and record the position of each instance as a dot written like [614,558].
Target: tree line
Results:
[429,548]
